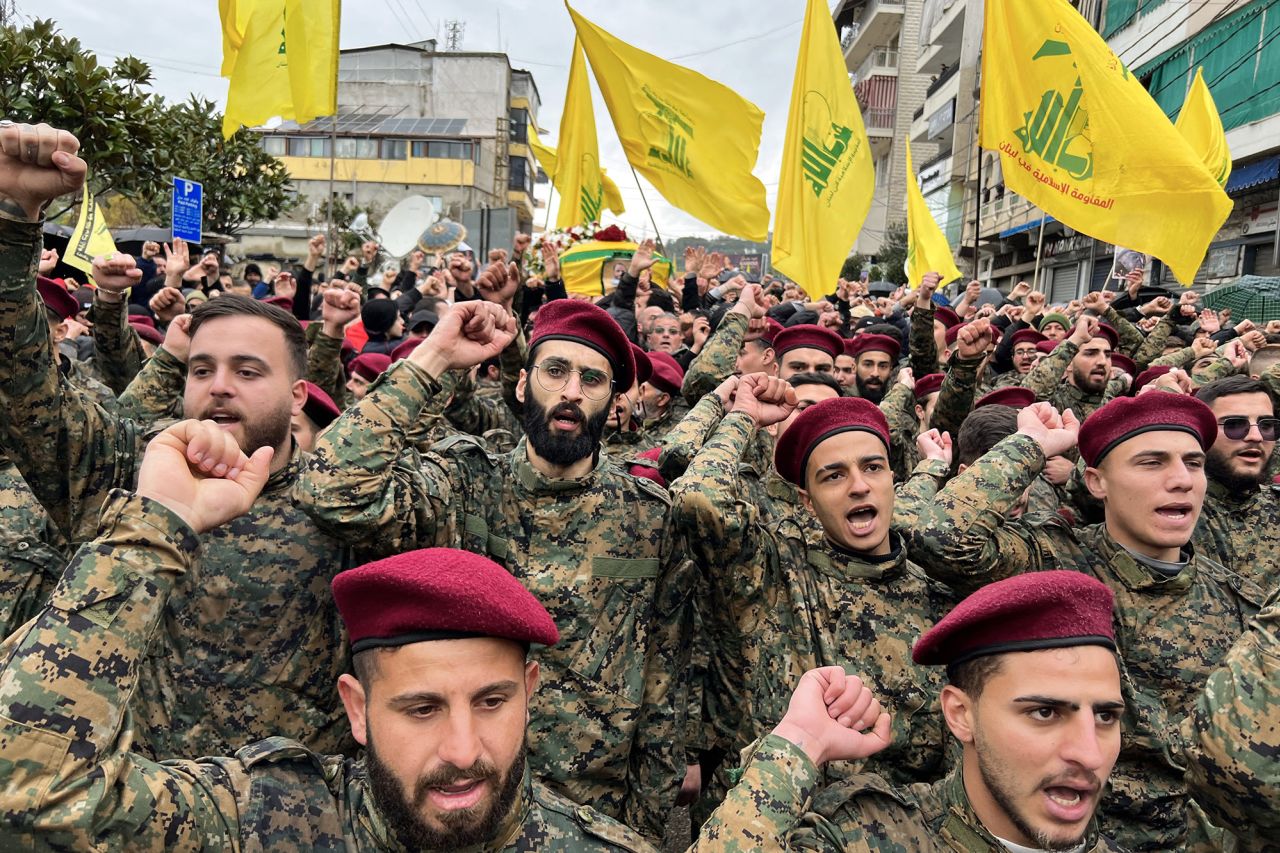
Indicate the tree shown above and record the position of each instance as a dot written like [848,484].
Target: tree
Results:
[892,257]
[347,241]
[45,77]
[242,182]
[852,269]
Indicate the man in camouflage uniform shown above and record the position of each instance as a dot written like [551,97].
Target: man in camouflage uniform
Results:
[1226,744]
[783,601]
[589,540]
[32,550]
[1240,525]
[1177,612]
[1084,359]
[741,344]
[251,643]
[442,689]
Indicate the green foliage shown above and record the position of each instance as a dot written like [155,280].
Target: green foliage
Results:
[348,242]
[242,183]
[45,77]
[892,257]
[852,269]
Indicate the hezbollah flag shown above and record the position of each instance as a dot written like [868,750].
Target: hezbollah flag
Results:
[90,237]
[1200,124]
[235,20]
[578,155]
[548,158]
[693,138]
[286,64]
[827,180]
[927,249]
[1080,138]
[587,267]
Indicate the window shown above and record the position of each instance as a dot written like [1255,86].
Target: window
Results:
[521,177]
[393,149]
[443,150]
[308,146]
[519,124]
[274,145]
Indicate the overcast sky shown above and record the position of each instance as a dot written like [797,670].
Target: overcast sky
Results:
[749,45]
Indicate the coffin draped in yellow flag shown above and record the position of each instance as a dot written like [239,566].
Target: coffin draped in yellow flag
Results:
[286,63]
[1200,124]
[827,180]
[579,177]
[927,248]
[693,138]
[90,237]
[1080,138]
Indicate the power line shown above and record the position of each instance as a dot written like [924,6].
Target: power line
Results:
[1156,29]
[740,41]
[1222,76]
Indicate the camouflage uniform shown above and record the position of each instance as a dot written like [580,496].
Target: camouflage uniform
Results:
[252,643]
[924,348]
[595,551]
[1171,631]
[1046,380]
[1242,531]
[784,602]
[955,401]
[324,365]
[780,804]
[718,359]
[32,551]
[70,781]
[119,352]
[478,409]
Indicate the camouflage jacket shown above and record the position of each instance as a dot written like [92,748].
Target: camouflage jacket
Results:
[252,641]
[32,551]
[1046,380]
[71,782]
[324,365]
[119,352]
[596,553]
[780,804]
[955,401]
[924,347]
[1172,631]
[478,409]
[1242,531]
[784,602]
[718,359]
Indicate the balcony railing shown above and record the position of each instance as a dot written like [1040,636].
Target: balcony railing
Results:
[942,80]
[880,118]
[881,57]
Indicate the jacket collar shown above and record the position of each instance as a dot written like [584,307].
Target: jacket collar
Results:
[531,480]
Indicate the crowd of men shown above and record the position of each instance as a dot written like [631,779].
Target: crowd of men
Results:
[440,557]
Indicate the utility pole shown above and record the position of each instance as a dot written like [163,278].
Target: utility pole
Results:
[454,30]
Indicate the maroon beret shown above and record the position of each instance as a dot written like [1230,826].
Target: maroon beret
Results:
[285,302]
[1047,346]
[1122,361]
[946,316]
[369,365]
[590,325]
[820,422]
[1146,377]
[928,384]
[148,332]
[1028,336]
[668,375]
[644,367]
[1125,417]
[141,320]
[1108,332]
[808,336]
[1036,610]
[771,329]
[646,465]
[873,343]
[403,350]
[56,298]
[437,594]
[1013,396]
[953,332]
[319,407]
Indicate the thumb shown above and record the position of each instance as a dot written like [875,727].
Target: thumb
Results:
[73,168]
[256,471]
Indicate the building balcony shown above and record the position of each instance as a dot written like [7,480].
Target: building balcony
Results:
[878,98]
[941,44]
[870,25]
[882,61]
[938,113]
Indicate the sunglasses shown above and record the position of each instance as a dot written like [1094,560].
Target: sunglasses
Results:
[1237,427]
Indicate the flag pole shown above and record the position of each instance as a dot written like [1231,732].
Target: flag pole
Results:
[977,196]
[646,207]
[551,195]
[1035,282]
[328,224]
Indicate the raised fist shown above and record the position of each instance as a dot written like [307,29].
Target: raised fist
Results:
[766,399]
[471,332]
[829,715]
[1056,434]
[38,163]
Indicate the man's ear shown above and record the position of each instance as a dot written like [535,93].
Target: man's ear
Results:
[353,700]
[521,383]
[806,500]
[957,711]
[299,397]
[1096,483]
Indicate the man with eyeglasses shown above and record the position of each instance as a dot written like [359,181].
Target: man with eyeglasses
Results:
[665,335]
[587,539]
[1177,613]
[1240,526]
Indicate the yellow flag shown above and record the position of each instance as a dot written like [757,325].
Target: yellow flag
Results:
[90,237]
[578,154]
[549,160]
[587,267]
[827,180]
[287,62]
[693,138]
[927,249]
[235,20]
[612,195]
[1200,124]
[1081,138]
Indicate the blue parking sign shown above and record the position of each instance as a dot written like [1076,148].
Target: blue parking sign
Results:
[188,210]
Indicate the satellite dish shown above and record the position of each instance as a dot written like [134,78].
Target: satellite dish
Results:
[360,223]
[405,222]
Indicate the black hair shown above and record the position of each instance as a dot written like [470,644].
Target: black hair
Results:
[982,429]
[233,305]
[799,379]
[1229,387]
